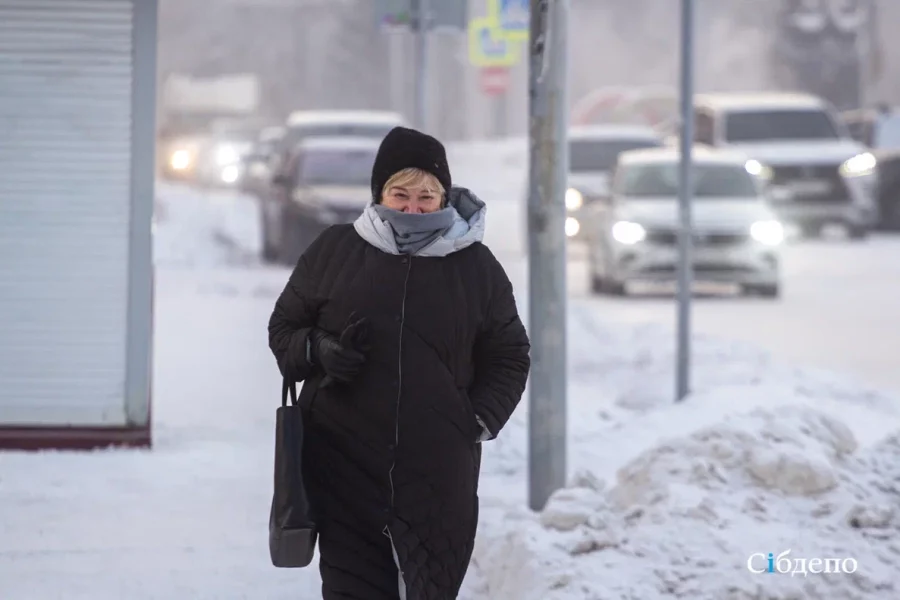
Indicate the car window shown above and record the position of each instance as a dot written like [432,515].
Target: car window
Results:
[759,126]
[660,180]
[860,130]
[601,155]
[703,128]
[887,132]
[336,167]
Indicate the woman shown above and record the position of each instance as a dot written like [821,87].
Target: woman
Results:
[404,329]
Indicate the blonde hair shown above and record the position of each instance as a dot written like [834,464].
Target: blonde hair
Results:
[413,177]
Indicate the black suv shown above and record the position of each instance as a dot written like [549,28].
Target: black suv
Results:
[325,181]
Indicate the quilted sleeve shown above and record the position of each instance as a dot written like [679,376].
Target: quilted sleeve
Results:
[501,356]
[294,316]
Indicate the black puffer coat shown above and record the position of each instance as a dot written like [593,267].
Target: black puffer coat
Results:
[392,459]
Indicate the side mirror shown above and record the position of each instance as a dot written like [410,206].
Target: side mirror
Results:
[280,179]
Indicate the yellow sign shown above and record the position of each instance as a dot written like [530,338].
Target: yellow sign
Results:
[487,47]
[493,39]
[511,17]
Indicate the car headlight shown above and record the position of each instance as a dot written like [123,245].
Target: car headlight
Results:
[180,160]
[226,155]
[230,174]
[572,226]
[770,233]
[574,199]
[302,196]
[859,165]
[756,168]
[626,232]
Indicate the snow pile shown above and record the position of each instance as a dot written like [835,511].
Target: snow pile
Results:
[622,375]
[670,501]
[196,228]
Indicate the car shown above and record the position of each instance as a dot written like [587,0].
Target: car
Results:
[632,233]
[211,158]
[355,123]
[593,150]
[326,182]
[817,173]
[259,162]
[879,130]
[318,123]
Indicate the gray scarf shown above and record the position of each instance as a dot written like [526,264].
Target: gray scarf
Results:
[413,232]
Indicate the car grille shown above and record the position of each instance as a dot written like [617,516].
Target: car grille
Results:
[708,240]
[794,177]
[700,268]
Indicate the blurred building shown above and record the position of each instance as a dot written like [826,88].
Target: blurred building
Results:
[331,53]
[77,93]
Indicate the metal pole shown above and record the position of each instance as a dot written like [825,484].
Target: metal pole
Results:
[421,25]
[685,195]
[548,169]
[500,115]
[863,52]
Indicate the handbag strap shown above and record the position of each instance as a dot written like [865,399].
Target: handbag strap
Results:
[288,386]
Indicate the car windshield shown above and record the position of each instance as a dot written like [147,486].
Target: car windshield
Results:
[600,155]
[887,132]
[660,180]
[759,126]
[337,167]
[369,130]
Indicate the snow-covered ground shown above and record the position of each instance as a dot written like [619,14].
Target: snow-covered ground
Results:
[670,501]
[665,501]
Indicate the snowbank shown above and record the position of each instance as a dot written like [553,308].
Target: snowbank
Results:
[670,501]
[197,228]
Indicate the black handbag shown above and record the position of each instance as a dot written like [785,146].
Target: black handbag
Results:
[292,530]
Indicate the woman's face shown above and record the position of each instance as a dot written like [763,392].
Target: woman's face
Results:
[411,199]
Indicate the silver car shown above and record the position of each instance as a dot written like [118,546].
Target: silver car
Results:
[817,174]
[633,233]
[593,150]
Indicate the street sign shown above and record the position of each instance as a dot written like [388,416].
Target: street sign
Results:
[443,14]
[512,18]
[494,80]
[486,46]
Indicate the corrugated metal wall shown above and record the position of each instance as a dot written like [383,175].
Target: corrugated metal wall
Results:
[65,198]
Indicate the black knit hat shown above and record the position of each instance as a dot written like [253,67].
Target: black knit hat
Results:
[404,148]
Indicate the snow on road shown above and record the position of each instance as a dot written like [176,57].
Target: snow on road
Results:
[197,228]
[666,500]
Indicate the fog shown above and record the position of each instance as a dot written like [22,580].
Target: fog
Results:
[318,53]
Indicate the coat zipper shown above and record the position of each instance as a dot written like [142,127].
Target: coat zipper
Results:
[387,530]
[399,378]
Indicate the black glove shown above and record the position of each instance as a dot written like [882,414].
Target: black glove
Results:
[341,359]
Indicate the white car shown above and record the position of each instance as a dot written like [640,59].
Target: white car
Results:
[302,124]
[593,150]
[817,173]
[351,123]
[633,237]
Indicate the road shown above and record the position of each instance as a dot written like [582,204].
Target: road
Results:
[840,305]
[840,308]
